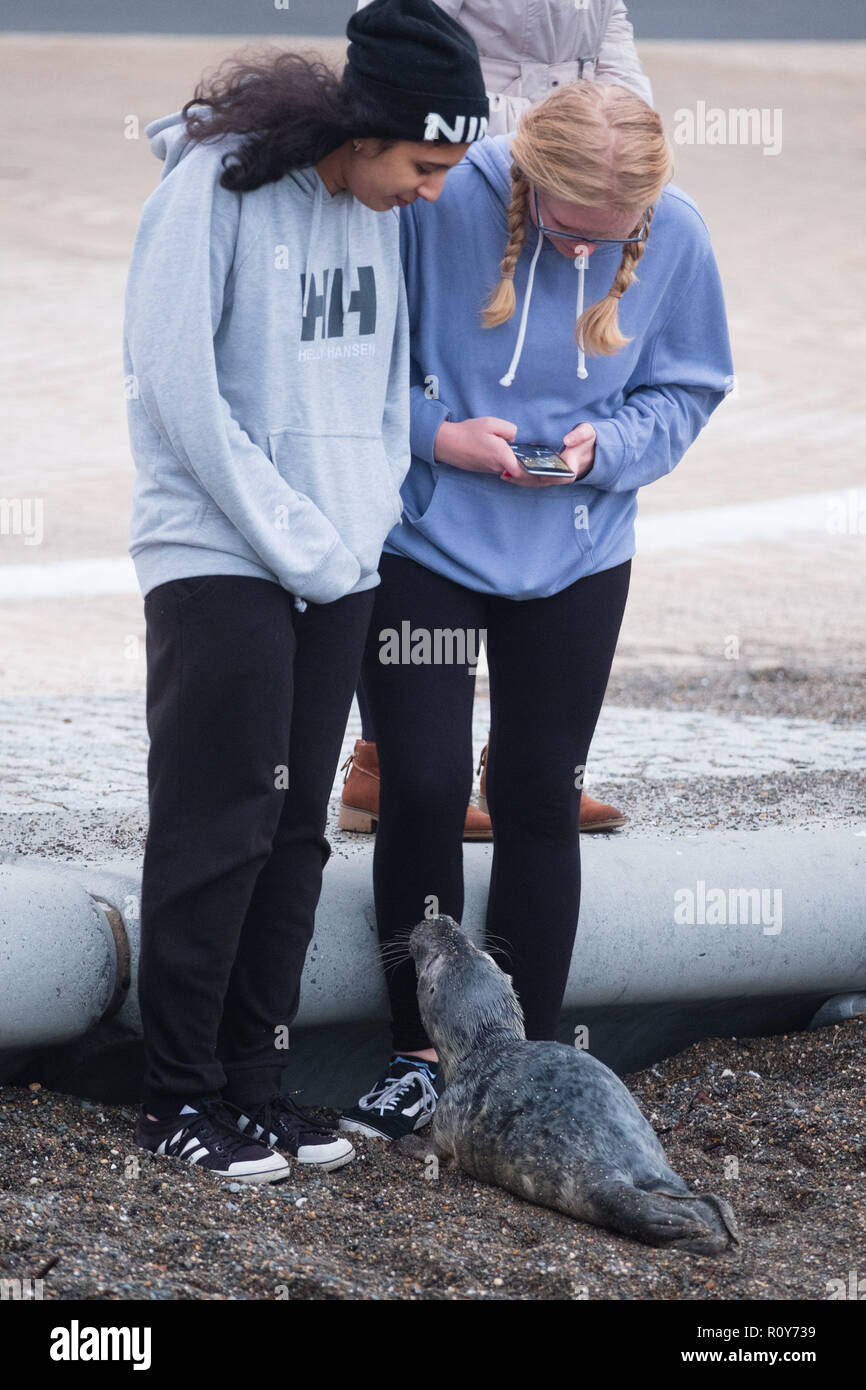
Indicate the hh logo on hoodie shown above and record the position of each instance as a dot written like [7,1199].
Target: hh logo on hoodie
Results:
[322,306]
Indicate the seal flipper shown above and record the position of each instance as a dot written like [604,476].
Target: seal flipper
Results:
[654,1218]
[720,1206]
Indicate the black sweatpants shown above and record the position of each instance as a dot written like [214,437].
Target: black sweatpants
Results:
[549,661]
[244,693]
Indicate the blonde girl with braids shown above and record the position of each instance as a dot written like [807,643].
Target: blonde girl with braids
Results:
[583,118]
[528,49]
[562,292]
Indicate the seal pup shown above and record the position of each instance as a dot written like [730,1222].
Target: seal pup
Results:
[548,1122]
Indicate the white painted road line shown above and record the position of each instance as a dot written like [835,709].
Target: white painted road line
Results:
[842,511]
[69,579]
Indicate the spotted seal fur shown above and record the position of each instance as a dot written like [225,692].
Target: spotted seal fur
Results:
[548,1122]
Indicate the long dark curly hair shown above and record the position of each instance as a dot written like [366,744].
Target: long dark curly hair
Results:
[294,109]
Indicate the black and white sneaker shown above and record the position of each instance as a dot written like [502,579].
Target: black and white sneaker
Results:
[283,1125]
[401,1102]
[206,1134]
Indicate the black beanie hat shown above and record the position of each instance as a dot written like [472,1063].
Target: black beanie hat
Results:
[419,69]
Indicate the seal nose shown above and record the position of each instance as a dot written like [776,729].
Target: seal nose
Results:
[421,939]
[432,933]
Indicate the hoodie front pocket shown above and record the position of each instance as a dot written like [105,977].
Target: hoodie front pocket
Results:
[519,541]
[348,477]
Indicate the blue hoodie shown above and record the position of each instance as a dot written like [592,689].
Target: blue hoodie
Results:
[647,402]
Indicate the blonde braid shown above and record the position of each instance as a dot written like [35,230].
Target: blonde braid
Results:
[503,301]
[589,145]
[599,324]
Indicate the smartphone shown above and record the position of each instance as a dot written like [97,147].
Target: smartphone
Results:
[538,459]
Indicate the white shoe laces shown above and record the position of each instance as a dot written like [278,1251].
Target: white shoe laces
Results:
[387,1097]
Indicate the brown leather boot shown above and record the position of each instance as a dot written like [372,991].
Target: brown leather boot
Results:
[594,815]
[359,809]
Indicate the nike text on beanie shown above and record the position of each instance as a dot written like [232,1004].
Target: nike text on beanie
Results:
[418,69]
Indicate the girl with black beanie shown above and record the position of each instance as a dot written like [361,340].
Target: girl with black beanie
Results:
[266,361]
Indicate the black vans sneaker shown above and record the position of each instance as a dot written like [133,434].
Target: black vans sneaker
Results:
[403,1101]
[283,1125]
[206,1134]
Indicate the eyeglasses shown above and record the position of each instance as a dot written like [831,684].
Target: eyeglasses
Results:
[641,234]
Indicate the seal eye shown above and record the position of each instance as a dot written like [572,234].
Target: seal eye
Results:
[432,989]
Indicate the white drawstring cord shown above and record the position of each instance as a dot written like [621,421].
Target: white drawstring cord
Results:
[580,264]
[512,370]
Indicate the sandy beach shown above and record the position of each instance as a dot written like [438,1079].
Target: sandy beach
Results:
[794,281]
[746,591]
[777,1125]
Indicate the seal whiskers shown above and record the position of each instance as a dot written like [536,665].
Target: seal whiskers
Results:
[396,951]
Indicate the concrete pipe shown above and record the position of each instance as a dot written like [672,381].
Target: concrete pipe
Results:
[718,915]
[64,958]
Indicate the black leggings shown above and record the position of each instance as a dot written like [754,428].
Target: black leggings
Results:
[240,685]
[549,661]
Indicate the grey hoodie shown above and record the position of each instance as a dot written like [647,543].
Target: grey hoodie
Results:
[266,356]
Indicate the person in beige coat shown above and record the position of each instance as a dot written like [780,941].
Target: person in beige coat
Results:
[527,49]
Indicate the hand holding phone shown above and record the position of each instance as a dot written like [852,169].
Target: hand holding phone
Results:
[479,445]
[580,449]
[540,461]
